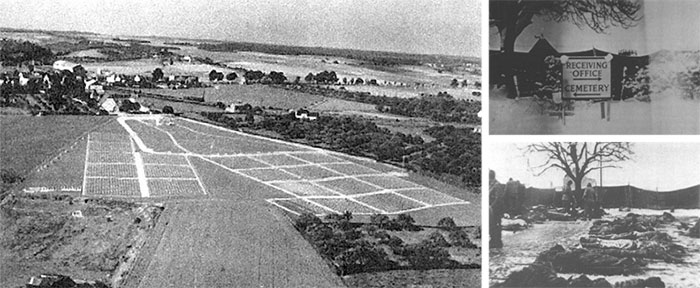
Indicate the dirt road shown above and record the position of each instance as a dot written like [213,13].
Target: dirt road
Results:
[222,243]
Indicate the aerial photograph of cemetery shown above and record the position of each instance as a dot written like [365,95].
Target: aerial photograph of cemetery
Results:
[240,145]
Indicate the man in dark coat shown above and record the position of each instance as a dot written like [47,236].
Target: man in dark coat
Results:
[496,207]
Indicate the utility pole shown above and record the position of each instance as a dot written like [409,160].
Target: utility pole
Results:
[600,165]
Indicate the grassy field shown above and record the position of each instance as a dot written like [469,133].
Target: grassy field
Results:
[241,244]
[62,172]
[439,278]
[256,95]
[28,141]
[39,236]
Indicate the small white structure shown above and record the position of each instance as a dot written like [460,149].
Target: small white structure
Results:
[304,114]
[237,108]
[77,214]
[109,105]
[23,81]
[65,65]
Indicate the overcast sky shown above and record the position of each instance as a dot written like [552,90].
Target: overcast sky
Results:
[667,24]
[415,26]
[666,166]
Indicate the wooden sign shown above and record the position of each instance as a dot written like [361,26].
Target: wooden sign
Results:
[586,77]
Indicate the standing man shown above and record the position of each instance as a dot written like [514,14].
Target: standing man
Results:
[567,199]
[509,198]
[496,205]
[589,201]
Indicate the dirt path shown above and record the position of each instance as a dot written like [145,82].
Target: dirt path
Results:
[523,247]
[219,243]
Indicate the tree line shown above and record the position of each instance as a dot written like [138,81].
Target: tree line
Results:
[442,107]
[357,247]
[453,157]
[13,52]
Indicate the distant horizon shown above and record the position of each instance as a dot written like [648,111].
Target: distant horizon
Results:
[449,27]
[654,166]
[230,41]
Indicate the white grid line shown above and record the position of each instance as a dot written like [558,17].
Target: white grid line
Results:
[87,147]
[255,157]
[199,181]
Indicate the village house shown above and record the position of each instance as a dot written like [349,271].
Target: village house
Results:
[303,114]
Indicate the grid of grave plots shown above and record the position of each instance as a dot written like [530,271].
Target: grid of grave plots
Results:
[114,168]
[320,183]
[110,166]
[171,175]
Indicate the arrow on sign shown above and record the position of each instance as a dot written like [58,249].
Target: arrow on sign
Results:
[586,94]
[588,79]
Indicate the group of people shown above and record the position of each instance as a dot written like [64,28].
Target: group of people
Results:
[589,198]
[507,198]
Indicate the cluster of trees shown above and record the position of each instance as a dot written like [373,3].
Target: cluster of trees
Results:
[13,52]
[454,157]
[257,76]
[357,247]
[455,83]
[324,77]
[134,51]
[441,107]
[344,134]
[371,57]
[690,82]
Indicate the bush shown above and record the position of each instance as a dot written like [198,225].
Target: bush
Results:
[362,257]
[460,238]
[447,223]
[306,220]
[438,240]
[10,176]
[406,222]
[394,242]
[168,110]
[338,221]
[379,219]
[424,256]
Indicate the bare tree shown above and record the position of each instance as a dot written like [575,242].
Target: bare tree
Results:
[577,159]
[511,17]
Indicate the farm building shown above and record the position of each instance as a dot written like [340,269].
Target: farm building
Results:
[530,67]
[238,108]
[109,105]
[304,114]
[63,65]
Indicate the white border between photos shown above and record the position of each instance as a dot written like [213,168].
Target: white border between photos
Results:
[487,139]
[484,142]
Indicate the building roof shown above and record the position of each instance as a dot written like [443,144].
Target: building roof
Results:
[64,65]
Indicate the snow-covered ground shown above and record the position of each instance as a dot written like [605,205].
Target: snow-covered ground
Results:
[668,113]
[521,248]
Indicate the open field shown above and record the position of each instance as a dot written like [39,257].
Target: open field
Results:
[233,244]
[60,173]
[390,202]
[525,116]
[238,200]
[27,141]
[256,95]
[38,236]
[428,278]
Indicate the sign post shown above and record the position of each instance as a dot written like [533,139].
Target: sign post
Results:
[587,78]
